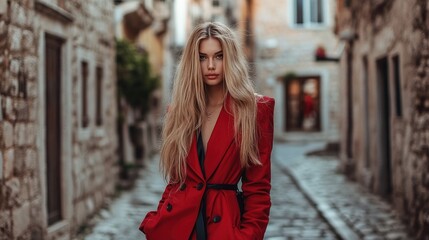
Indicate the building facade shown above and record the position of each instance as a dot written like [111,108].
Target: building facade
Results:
[286,35]
[385,87]
[144,24]
[58,139]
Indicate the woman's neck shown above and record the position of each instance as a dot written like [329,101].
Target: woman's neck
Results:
[215,95]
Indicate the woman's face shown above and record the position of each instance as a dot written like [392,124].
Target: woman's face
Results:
[211,59]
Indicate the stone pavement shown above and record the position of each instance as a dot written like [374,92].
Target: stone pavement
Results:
[310,201]
[122,219]
[292,216]
[351,211]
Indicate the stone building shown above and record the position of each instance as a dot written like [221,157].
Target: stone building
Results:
[286,35]
[144,24]
[385,92]
[58,140]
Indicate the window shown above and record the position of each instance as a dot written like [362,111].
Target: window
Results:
[310,13]
[215,3]
[84,72]
[397,82]
[99,97]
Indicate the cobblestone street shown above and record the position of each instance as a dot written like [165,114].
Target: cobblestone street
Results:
[310,201]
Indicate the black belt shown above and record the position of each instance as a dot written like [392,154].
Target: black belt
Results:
[200,225]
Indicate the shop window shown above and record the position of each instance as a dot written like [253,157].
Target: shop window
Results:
[302,104]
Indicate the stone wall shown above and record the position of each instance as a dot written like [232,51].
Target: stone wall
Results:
[94,157]
[20,194]
[388,29]
[88,156]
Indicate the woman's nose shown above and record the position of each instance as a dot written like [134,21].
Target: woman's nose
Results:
[211,64]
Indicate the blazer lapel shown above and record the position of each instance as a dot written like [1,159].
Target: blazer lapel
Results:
[220,140]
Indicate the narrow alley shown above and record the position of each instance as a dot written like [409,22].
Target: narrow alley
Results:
[93,91]
[310,200]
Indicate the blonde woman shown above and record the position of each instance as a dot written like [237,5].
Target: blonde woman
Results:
[217,131]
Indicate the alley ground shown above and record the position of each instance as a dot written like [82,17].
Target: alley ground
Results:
[311,200]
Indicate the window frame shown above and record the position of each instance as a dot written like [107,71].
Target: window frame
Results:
[99,92]
[306,15]
[84,71]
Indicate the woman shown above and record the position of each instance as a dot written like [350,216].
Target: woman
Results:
[216,131]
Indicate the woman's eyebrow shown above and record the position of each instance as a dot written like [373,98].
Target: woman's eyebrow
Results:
[214,54]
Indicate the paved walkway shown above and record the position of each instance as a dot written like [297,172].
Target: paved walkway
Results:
[310,201]
[352,211]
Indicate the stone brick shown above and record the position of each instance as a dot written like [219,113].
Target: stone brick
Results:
[31,134]
[22,110]
[12,191]
[15,38]
[31,160]
[3,7]
[9,112]
[12,86]
[18,166]
[36,209]
[32,90]
[28,43]
[5,225]
[31,66]
[21,219]
[34,187]
[14,66]
[32,111]
[24,195]
[18,14]
[8,157]
[6,135]
[20,134]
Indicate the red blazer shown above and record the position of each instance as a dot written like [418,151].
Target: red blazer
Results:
[178,208]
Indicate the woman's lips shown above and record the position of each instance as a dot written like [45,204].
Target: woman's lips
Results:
[212,76]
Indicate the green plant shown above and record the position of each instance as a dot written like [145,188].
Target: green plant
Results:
[135,80]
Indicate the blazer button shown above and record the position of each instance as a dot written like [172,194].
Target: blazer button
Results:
[169,207]
[182,187]
[200,186]
[216,219]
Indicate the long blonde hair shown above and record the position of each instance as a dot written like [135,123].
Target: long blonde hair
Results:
[188,104]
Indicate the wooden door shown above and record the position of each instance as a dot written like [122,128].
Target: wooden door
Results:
[53,127]
[384,125]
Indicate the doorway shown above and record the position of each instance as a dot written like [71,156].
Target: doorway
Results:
[302,104]
[53,57]
[384,127]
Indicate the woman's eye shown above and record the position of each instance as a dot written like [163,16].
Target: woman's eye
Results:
[202,57]
[219,57]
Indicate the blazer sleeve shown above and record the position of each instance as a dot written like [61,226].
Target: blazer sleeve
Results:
[151,214]
[257,182]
